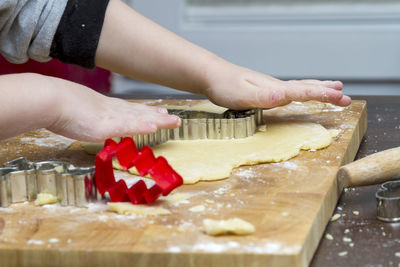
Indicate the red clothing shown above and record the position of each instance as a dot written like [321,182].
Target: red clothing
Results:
[97,79]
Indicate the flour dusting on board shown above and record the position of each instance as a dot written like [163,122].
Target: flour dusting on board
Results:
[34,242]
[6,210]
[331,107]
[267,247]
[246,173]
[131,179]
[286,164]
[48,139]
[215,247]
[306,108]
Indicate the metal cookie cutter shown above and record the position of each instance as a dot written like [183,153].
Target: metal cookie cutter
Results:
[206,125]
[388,206]
[21,180]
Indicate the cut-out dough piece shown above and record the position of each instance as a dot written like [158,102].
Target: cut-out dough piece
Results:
[197,160]
[129,208]
[234,226]
[45,198]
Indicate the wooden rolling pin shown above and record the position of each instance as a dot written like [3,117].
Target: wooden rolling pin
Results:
[373,169]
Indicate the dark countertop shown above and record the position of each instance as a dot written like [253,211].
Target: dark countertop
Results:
[373,243]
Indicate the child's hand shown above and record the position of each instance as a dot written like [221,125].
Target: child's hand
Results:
[240,88]
[33,101]
[89,116]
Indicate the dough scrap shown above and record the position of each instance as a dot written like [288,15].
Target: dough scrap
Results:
[129,208]
[198,208]
[208,160]
[45,198]
[234,226]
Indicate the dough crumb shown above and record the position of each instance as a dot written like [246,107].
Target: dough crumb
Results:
[198,208]
[335,217]
[45,198]
[329,236]
[59,169]
[347,239]
[234,226]
[262,128]
[129,208]
[342,254]
[334,133]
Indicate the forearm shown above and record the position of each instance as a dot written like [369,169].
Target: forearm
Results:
[136,47]
[27,102]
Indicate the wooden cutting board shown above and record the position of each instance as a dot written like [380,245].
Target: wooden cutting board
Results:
[289,204]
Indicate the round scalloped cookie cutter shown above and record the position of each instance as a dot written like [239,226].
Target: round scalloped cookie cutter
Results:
[388,202]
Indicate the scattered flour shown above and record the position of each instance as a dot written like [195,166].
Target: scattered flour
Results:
[34,242]
[287,165]
[6,210]
[258,248]
[97,207]
[174,249]
[51,206]
[245,173]
[48,139]
[215,247]
[222,190]
[331,107]
[131,179]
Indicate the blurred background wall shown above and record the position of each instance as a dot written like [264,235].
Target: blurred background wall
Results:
[356,41]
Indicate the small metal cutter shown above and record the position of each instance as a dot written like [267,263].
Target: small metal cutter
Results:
[21,180]
[388,202]
[205,125]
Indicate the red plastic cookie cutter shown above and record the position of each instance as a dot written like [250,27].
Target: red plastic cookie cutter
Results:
[166,178]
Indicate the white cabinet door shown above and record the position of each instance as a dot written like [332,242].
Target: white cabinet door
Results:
[356,41]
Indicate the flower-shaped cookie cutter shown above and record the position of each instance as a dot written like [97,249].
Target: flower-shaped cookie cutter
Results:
[165,177]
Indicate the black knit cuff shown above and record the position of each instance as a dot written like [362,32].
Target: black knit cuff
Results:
[78,33]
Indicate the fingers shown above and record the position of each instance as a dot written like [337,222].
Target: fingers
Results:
[281,93]
[300,91]
[142,119]
[337,85]
[158,109]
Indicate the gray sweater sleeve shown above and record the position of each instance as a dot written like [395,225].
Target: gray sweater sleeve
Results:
[27,28]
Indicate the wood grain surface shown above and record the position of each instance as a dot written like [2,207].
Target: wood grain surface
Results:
[289,204]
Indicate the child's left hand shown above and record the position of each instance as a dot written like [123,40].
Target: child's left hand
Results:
[240,88]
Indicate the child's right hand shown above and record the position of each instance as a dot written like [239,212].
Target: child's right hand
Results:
[89,116]
[32,101]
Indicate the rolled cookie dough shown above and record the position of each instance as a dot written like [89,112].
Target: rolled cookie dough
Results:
[197,160]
